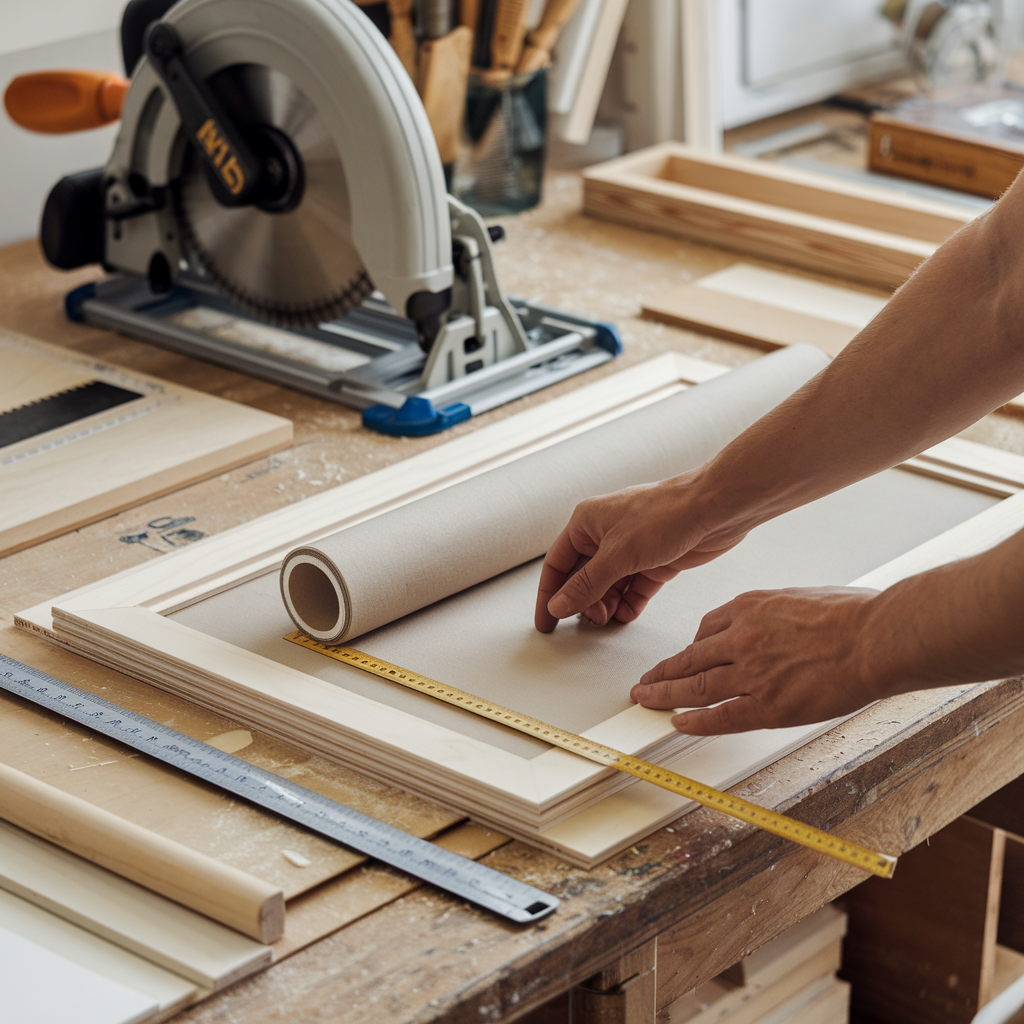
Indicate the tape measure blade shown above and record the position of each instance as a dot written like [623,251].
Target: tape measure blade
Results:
[449,871]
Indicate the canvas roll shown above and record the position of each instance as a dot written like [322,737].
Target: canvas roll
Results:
[384,568]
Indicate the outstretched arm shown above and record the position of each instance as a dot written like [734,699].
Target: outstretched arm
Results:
[948,348]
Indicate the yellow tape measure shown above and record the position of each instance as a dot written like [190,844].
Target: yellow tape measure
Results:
[859,856]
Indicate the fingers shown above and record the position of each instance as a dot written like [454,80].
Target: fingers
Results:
[559,562]
[739,715]
[698,676]
[585,587]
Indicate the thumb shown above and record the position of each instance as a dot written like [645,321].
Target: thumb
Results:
[585,587]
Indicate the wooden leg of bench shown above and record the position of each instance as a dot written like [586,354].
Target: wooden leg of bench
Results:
[625,992]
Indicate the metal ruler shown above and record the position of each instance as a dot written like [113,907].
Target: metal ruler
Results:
[449,871]
[851,853]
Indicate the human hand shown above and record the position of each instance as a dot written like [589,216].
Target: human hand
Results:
[775,657]
[618,550]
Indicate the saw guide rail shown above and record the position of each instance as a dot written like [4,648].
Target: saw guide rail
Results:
[880,864]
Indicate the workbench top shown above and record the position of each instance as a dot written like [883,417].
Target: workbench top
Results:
[711,889]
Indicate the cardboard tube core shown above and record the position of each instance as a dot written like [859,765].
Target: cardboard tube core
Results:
[313,599]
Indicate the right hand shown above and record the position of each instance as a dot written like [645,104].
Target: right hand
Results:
[618,550]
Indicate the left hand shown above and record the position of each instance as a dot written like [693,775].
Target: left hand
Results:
[775,657]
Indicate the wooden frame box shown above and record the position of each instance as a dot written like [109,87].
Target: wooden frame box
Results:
[557,801]
[809,220]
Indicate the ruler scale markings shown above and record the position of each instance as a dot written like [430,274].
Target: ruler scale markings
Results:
[450,871]
[779,824]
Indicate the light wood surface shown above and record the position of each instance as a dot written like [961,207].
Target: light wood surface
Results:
[208,886]
[575,127]
[775,313]
[797,217]
[72,475]
[746,320]
[124,913]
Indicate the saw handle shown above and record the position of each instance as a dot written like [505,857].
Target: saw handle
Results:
[55,102]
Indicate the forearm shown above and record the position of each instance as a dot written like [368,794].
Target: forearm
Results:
[948,348]
[960,623]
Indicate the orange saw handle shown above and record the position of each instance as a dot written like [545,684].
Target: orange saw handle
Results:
[56,102]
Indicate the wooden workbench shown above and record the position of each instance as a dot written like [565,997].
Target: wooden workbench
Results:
[708,889]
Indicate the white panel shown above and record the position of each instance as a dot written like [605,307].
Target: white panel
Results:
[32,163]
[24,25]
[40,987]
[786,38]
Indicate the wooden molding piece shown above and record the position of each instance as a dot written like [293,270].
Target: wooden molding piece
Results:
[208,886]
[161,931]
[805,219]
[164,439]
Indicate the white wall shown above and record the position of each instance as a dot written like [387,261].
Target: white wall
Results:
[29,163]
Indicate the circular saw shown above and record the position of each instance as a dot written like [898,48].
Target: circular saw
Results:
[275,168]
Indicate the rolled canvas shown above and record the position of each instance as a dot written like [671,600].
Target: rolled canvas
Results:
[385,568]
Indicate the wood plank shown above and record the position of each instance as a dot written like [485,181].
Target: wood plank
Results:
[195,880]
[745,320]
[167,438]
[173,805]
[134,918]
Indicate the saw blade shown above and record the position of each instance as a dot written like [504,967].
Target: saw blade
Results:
[296,268]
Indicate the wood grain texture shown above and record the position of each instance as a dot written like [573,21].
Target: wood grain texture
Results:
[195,880]
[709,891]
[793,217]
[163,440]
[124,913]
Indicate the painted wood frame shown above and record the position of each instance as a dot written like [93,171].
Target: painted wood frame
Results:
[554,799]
[809,220]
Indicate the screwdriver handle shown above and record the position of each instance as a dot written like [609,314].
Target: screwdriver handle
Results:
[55,102]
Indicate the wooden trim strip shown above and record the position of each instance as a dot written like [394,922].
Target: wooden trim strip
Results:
[222,892]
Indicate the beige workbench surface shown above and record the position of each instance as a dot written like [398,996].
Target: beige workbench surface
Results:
[710,889]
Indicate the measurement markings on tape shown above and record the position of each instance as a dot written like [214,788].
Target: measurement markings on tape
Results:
[452,872]
[789,828]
